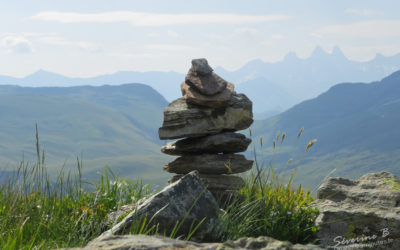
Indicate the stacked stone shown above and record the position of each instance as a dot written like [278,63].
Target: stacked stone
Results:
[207,117]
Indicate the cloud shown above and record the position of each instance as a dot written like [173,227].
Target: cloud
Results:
[153,19]
[172,34]
[154,34]
[17,44]
[139,55]
[365,29]
[169,47]
[277,37]
[272,39]
[361,12]
[247,31]
[59,41]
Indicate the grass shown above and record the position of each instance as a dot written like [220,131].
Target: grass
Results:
[61,214]
[37,212]
[395,185]
[270,205]
[273,209]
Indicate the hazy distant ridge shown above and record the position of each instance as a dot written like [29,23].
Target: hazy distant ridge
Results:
[113,125]
[273,87]
[356,125]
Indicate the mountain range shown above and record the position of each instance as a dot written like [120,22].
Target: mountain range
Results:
[356,127]
[273,87]
[160,81]
[355,123]
[306,78]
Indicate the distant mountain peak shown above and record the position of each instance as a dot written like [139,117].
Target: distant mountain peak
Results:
[337,52]
[291,56]
[379,56]
[395,76]
[42,72]
[255,62]
[318,52]
[43,77]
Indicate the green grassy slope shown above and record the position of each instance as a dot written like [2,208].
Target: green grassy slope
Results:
[113,125]
[356,126]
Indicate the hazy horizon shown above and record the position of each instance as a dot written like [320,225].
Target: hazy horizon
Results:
[216,66]
[87,39]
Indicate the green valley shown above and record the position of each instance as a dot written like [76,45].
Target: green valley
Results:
[107,125]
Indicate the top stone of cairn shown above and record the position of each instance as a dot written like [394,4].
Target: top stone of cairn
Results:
[201,67]
[202,78]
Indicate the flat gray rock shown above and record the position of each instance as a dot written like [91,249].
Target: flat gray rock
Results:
[217,182]
[172,204]
[227,142]
[220,99]
[265,243]
[210,164]
[355,213]
[182,119]
[125,242]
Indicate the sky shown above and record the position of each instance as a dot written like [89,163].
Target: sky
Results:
[92,37]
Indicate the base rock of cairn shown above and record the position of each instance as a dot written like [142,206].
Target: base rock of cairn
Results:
[207,117]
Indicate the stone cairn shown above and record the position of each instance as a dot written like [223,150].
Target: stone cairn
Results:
[207,117]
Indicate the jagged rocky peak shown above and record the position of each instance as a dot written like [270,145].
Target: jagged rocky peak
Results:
[336,51]
[319,52]
[291,56]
